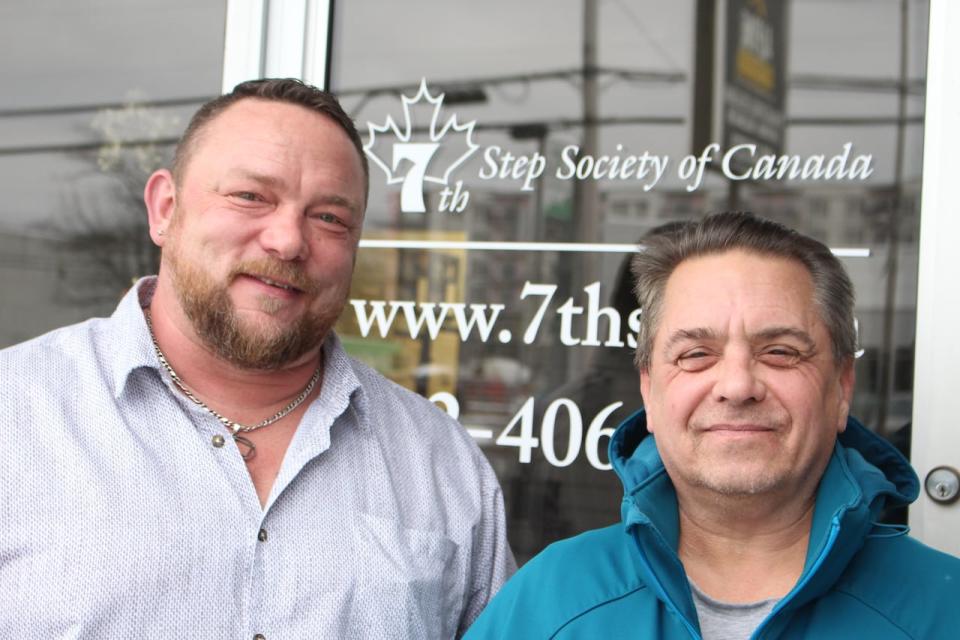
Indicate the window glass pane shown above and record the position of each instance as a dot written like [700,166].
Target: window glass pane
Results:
[97,92]
[545,367]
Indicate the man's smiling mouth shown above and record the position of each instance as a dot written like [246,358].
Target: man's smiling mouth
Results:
[279,285]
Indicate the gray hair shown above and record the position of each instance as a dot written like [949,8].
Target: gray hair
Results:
[664,249]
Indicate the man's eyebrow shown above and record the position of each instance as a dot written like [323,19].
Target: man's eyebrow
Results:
[697,333]
[262,178]
[338,201]
[773,333]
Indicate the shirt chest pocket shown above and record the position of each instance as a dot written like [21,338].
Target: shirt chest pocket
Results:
[409,584]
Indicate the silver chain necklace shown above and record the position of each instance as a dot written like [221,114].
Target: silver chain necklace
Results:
[235,427]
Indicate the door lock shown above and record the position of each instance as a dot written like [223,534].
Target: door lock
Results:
[943,485]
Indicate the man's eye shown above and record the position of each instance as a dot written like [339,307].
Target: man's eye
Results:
[696,360]
[780,356]
[328,218]
[247,195]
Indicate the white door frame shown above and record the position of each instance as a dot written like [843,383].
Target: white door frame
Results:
[936,396]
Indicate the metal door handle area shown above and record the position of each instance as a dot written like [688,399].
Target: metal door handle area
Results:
[943,485]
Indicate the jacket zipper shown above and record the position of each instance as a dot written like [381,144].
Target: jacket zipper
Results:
[643,557]
[831,539]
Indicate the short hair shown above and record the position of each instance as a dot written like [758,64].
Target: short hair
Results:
[288,90]
[719,233]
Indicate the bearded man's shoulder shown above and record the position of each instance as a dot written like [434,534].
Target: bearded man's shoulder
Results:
[53,356]
[398,410]
[379,390]
[61,380]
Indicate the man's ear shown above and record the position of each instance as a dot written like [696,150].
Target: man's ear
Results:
[847,379]
[160,196]
[645,393]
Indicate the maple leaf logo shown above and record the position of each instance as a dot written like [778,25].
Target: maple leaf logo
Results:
[431,161]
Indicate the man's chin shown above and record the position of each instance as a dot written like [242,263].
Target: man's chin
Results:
[248,328]
[268,350]
[741,482]
[258,340]
[268,317]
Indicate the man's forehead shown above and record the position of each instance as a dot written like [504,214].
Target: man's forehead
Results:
[254,107]
[244,134]
[245,119]
[770,292]
[739,269]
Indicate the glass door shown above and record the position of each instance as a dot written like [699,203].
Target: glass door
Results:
[515,166]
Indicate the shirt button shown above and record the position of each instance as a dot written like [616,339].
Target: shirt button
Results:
[259,636]
[218,441]
[262,536]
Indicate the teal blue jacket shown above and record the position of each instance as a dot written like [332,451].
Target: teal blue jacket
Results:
[860,580]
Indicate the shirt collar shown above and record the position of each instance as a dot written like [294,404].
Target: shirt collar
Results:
[341,386]
[127,336]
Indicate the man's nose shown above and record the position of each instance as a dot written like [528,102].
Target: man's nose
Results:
[737,381]
[284,236]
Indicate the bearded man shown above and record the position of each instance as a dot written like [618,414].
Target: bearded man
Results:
[208,462]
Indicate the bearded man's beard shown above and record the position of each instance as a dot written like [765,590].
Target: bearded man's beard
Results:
[208,306]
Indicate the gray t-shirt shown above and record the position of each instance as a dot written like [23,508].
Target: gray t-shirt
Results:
[728,621]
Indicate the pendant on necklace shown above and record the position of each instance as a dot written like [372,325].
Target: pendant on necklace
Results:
[246,447]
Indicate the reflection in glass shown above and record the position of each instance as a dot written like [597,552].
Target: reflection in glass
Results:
[92,107]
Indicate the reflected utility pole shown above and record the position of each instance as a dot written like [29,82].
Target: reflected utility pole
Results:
[589,220]
[888,350]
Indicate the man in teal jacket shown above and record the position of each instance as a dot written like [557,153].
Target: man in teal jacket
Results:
[751,511]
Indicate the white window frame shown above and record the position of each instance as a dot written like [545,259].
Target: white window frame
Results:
[277,39]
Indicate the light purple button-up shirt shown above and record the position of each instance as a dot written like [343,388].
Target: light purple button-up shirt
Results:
[120,518]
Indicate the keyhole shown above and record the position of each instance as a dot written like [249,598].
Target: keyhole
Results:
[943,484]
